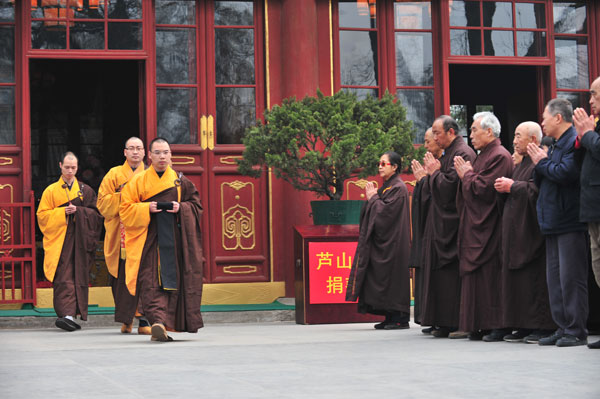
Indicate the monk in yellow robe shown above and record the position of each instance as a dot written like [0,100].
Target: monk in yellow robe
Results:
[71,226]
[109,199]
[161,211]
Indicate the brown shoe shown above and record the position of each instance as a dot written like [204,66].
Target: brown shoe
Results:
[159,333]
[458,335]
[145,330]
[126,328]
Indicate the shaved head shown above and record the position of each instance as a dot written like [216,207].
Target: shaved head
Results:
[533,129]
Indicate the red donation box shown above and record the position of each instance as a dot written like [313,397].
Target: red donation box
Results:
[323,256]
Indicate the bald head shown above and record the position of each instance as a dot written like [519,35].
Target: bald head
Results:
[431,145]
[525,133]
[533,129]
[134,152]
[595,97]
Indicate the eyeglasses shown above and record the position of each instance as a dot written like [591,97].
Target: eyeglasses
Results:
[165,152]
[138,149]
[383,164]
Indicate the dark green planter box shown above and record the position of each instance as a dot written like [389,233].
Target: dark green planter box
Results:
[336,212]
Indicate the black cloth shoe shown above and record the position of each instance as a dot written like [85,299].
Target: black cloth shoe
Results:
[396,326]
[571,340]
[72,323]
[428,330]
[380,326]
[62,323]
[551,340]
[477,335]
[535,336]
[496,335]
[517,336]
[442,332]
[595,345]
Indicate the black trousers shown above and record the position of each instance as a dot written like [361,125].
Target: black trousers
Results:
[567,275]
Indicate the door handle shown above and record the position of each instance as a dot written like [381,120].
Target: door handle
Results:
[203,132]
[211,133]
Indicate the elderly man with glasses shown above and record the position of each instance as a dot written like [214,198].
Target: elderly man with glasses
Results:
[109,199]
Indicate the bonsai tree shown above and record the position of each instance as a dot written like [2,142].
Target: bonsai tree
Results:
[317,143]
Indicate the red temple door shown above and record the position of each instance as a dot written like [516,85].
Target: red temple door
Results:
[209,88]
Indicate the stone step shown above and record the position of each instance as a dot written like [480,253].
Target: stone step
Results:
[281,310]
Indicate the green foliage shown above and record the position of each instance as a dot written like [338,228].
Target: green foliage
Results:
[317,143]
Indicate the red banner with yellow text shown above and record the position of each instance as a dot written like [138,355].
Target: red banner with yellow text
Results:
[329,266]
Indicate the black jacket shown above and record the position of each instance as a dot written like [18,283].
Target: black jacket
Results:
[589,210]
[558,179]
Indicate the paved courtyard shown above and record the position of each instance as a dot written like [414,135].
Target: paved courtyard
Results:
[286,360]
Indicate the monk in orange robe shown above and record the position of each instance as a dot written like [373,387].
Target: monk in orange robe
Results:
[161,211]
[71,226]
[109,199]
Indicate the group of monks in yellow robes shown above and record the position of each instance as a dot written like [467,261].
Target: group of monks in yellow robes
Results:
[152,244]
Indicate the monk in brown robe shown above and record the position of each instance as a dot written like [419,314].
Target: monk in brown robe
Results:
[420,211]
[441,296]
[480,230]
[161,212]
[71,226]
[109,199]
[379,277]
[525,304]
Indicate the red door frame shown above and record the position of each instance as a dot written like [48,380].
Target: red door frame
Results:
[25,53]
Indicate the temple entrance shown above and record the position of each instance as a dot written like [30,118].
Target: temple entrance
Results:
[510,92]
[89,108]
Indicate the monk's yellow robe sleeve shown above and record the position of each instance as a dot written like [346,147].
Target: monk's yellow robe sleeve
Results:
[109,200]
[108,203]
[135,215]
[53,224]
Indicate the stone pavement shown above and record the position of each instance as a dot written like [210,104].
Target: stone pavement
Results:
[286,360]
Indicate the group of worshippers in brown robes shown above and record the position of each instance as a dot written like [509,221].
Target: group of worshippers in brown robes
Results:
[152,244]
[498,248]
[480,245]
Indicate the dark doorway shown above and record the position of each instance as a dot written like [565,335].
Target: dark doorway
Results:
[511,92]
[87,107]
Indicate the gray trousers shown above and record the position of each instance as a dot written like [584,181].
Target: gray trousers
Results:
[567,275]
[594,229]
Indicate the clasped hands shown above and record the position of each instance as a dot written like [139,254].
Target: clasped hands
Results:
[430,165]
[583,123]
[70,209]
[462,166]
[154,209]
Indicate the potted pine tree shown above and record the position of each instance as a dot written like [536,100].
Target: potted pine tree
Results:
[317,143]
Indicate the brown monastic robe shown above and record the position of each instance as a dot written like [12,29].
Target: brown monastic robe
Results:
[379,277]
[419,211]
[178,309]
[479,239]
[524,289]
[70,275]
[441,277]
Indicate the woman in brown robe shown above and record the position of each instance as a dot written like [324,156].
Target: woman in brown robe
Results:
[379,277]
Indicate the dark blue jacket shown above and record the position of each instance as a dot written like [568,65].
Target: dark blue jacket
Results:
[590,176]
[558,179]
